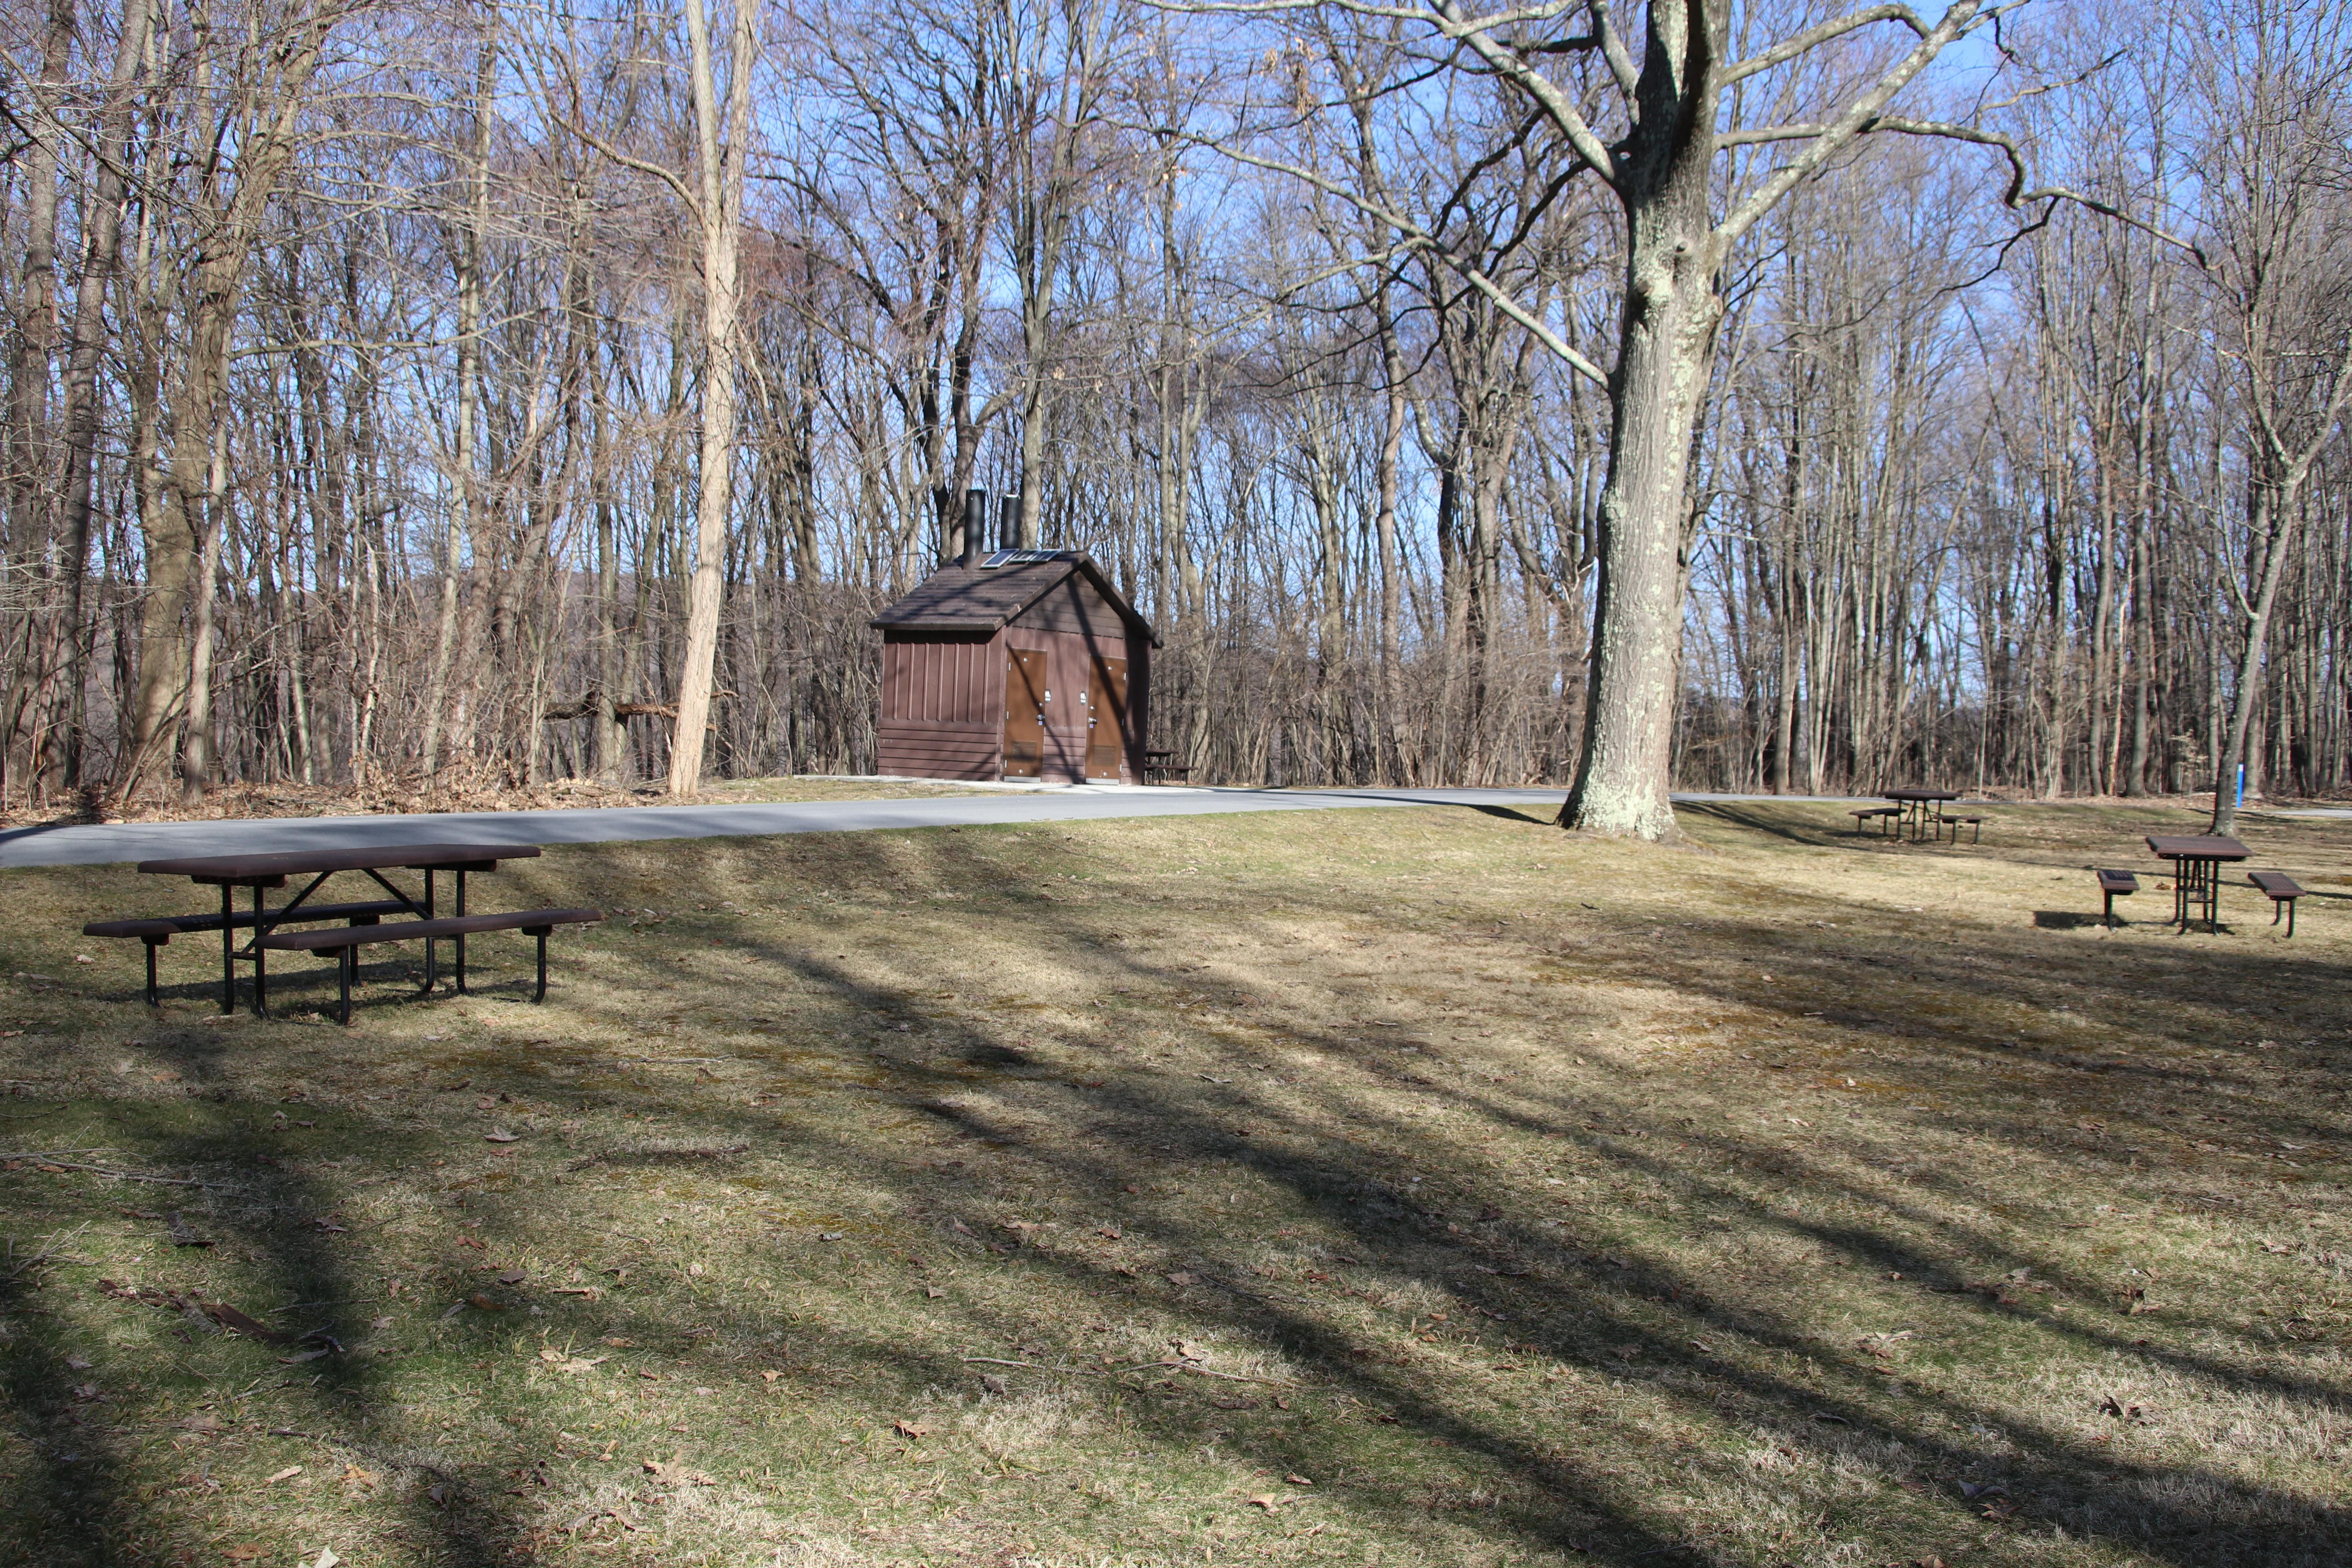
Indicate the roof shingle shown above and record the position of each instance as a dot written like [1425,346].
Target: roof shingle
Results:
[959,598]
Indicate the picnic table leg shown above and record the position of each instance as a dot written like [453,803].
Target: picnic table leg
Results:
[151,944]
[430,974]
[343,969]
[228,950]
[458,941]
[260,962]
[541,995]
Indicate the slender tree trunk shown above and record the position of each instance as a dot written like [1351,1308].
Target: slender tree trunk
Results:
[103,251]
[720,210]
[28,442]
[196,749]
[458,524]
[2272,524]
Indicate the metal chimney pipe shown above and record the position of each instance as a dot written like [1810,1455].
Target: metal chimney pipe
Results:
[950,546]
[975,525]
[1008,522]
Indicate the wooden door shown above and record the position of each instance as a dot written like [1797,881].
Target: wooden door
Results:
[1105,718]
[1025,685]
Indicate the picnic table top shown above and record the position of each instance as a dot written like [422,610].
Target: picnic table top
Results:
[1920,795]
[299,862]
[2197,847]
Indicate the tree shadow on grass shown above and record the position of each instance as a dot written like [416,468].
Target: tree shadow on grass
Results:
[1572,1298]
[271,1215]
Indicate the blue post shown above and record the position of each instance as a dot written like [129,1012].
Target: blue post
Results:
[2241,784]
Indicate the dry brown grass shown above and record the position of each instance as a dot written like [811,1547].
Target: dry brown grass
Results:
[1792,1199]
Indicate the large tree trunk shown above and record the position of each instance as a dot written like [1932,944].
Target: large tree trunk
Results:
[270,106]
[1665,353]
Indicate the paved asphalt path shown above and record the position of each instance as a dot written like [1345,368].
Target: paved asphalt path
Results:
[93,844]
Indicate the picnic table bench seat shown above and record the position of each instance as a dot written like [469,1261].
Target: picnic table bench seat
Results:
[1947,819]
[346,943]
[1157,764]
[2282,891]
[1888,816]
[2113,885]
[157,931]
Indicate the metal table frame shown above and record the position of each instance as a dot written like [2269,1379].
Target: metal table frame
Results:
[1915,804]
[2197,861]
[261,872]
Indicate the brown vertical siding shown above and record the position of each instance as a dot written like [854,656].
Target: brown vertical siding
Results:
[942,705]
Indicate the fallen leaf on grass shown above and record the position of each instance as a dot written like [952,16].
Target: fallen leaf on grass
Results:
[305,1355]
[933,1292]
[77,1364]
[1298,1481]
[770,1377]
[501,1135]
[183,1237]
[355,1476]
[511,1276]
[287,1474]
[909,1429]
[244,1551]
[1181,1279]
[486,1304]
[1266,1501]
[326,1559]
[199,1423]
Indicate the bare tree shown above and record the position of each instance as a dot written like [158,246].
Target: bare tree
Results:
[2279,177]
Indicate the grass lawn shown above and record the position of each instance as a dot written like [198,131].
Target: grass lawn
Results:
[1411,1187]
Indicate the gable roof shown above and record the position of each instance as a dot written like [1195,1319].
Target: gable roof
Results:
[959,598]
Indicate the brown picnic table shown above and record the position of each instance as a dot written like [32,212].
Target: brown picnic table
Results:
[2197,861]
[263,873]
[1915,804]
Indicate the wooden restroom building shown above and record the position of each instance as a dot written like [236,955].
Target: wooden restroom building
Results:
[1022,664]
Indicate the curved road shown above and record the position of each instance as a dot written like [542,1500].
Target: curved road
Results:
[96,845]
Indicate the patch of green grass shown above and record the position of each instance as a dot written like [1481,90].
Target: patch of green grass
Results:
[1368,1186]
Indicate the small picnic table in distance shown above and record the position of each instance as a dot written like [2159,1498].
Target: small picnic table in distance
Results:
[1915,804]
[261,872]
[2197,861]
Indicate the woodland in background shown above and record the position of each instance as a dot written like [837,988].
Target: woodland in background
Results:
[360,366]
